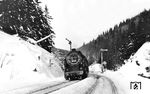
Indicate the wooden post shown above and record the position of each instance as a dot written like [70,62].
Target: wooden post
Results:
[102,50]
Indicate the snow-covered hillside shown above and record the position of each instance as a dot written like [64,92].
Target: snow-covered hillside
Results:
[22,62]
[137,64]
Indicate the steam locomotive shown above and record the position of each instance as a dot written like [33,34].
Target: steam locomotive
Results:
[76,66]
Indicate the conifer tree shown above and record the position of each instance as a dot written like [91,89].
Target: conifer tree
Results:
[27,19]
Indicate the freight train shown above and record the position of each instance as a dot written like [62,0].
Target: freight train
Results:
[75,66]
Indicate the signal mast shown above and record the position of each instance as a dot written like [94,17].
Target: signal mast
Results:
[70,43]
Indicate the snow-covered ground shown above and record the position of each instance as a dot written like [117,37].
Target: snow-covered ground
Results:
[22,64]
[81,87]
[95,68]
[129,72]
[139,63]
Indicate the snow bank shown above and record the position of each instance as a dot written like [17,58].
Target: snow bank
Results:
[138,62]
[142,59]
[23,62]
[129,72]
[95,68]
[123,82]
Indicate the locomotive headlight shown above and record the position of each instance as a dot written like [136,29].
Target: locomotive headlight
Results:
[81,72]
[80,68]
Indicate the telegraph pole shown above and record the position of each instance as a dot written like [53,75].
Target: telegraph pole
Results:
[102,50]
[70,43]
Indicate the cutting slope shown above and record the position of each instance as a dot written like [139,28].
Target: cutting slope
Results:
[22,60]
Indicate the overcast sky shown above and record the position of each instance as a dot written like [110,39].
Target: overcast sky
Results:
[83,20]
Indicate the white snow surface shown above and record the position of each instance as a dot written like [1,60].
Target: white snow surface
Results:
[78,88]
[129,72]
[19,59]
[96,67]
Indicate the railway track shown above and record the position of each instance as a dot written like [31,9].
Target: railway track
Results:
[94,84]
[42,88]
[82,87]
[103,85]
[93,87]
[49,89]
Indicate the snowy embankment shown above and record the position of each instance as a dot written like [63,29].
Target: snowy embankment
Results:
[137,64]
[22,63]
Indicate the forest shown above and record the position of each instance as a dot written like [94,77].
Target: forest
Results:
[28,20]
[122,41]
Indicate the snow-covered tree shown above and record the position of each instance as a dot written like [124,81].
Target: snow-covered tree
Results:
[27,19]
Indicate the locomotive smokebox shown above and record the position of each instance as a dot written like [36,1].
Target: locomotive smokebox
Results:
[76,65]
